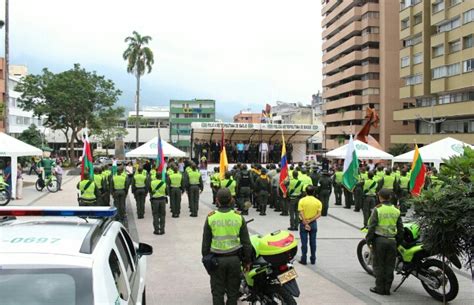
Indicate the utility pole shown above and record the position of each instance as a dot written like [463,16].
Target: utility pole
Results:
[6,69]
[432,122]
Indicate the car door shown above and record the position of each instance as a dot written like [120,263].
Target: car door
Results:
[129,262]
[138,274]
[120,278]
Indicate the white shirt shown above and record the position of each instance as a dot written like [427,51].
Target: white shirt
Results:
[263,146]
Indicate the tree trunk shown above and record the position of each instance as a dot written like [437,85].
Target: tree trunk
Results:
[138,111]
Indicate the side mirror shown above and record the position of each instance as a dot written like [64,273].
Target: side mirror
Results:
[144,249]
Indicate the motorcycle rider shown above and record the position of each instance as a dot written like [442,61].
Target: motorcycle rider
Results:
[226,238]
[385,231]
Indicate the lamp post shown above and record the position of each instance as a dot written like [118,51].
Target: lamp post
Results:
[432,122]
[6,67]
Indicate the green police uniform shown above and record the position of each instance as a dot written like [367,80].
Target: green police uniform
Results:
[359,193]
[194,185]
[226,236]
[100,185]
[119,192]
[306,180]
[370,190]
[139,190]
[107,174]
[294,193]
[158,201]
[215,185]
[88,193]
[263,189]
[384,231]
[229,184]
[175,185]
[337,183]
[324,190]
[403,193]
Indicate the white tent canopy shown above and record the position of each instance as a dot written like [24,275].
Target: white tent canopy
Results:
[363,151]
[436,151]
[14,148]
[150,150]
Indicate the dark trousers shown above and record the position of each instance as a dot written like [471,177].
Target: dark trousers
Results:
[175,199]
[338,193]
[87,203]
[225,280]
[402,199]
[194,199]
[367,207]
[214,193]
[348,201]
[324,196]
[119,203]
[384,263]
[275,201]
[358,197]
[140,195]
[100,200]
[262,201]
[312,241]
[106,198]
[240,156]
[284,205]
[158,210]
[293,211]
[244,196]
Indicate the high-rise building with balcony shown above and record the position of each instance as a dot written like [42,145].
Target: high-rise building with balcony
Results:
[360,67]
[436,69]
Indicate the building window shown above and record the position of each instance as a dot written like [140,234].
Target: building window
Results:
[412,41]
[424,102]
[407,3]
[455,46]
[452,127]
[468,65]
[371,91]
[374,15]
[438,50]
[369,76]
[417,19]
[405,23]
[449,25]
[405,61]
[370,30]
[413,80]
[417,58]
[445,71]
[468,16]
[437,6]
[467,41]
[454,2]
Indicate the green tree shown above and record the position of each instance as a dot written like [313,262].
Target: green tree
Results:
[139,59]
[69,100]
[399,149]
[108,128]
[446,214]
[32,136]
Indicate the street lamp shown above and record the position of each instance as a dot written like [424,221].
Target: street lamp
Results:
[432,122]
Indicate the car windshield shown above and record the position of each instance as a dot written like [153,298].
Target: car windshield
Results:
[71,286]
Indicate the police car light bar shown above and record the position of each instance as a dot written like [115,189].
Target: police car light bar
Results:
[59,211]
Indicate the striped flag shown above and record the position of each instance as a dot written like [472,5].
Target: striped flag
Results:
[418,171]
[87,165]
[351,167]
[223,157]
[284,167]
[160,158]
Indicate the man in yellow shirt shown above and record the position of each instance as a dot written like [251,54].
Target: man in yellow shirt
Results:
[309,209]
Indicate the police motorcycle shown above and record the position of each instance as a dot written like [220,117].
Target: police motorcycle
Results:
[5,195]
[272,277]
[414,259]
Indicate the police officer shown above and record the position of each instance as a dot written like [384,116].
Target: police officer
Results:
[369,189]
[337,183]
[230,184]
[359,190]
[215,184]
[324,189]
[88,192]
[158,192]
[139,190]
[99,182]
[388,181]
[276,191]
[175,189]
[403,190]
[107,174]
[194,185]
[263,189]
[119,187]
[385,231]
[295,189]
[226,237]
[244,185]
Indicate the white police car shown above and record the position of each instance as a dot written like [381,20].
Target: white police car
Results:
[69,259]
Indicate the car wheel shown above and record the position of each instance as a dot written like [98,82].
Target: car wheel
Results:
[144,296]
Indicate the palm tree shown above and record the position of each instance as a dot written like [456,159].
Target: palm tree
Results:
[140,59]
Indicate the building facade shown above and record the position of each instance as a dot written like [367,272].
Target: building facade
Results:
[360,67]
[182,114]
[436,70]
[246,116]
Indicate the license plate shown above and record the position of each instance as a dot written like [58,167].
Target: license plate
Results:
[287,276]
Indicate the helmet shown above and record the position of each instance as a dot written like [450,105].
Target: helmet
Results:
[411,231]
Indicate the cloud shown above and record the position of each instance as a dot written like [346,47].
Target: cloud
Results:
[238,52]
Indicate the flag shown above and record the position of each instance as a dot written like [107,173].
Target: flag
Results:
[351,167]
[223,157]
[417,176]
[160,158]
[284,167]
[87,165]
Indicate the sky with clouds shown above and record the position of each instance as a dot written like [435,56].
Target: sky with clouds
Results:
[241,53]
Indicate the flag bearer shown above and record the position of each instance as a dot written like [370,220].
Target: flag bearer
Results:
[88,192]
[158,199]
[139,190]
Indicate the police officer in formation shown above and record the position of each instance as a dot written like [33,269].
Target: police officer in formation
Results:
[139,190]
[337,183]
[324,190]
[295,189]
[194,186]
[244,189]
[119,187]
[158,192]
[262,189]
[175,185]
[100,184]
[88,192]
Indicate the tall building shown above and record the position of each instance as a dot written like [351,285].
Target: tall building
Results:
[182,114]
[436,69]
[246,116]
[360,67]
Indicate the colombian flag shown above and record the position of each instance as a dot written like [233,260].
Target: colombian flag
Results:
[284,167]
[418,170]
[160,158]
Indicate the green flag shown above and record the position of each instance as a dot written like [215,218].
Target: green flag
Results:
[351,167]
